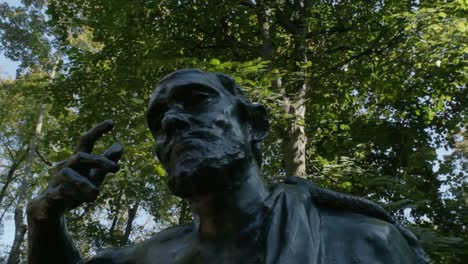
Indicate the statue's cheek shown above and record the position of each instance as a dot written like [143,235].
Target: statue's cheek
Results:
[223,124]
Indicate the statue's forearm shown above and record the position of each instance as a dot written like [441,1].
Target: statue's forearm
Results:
[49,242]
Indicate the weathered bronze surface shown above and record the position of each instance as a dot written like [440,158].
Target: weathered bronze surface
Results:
[208,136]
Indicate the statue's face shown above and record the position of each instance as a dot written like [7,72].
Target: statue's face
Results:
[200,138]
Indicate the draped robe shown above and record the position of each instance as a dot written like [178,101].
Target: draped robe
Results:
[297,227]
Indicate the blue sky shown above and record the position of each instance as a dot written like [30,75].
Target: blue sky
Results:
[8,67]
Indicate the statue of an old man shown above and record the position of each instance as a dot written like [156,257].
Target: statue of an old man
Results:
[208,136]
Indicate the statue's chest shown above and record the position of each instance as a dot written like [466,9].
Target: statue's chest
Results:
[248,253]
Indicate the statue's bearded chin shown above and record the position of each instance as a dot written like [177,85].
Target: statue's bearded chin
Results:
[205,164]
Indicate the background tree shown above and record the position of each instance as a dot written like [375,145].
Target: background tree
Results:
[25,39]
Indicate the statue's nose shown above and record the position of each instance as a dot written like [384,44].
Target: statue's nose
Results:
[174,120]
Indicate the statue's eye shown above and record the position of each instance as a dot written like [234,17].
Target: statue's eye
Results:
[196,100]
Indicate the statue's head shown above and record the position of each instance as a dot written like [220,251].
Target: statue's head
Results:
[205,128]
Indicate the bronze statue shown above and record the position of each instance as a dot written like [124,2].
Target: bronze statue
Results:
[208,137]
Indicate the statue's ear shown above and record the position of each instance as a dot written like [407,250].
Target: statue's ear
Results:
[259,122]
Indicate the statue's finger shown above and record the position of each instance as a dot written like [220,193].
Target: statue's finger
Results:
[114,153]
[60,165]
[88,139]
[82,162]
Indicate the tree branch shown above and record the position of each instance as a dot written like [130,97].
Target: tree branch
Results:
[10,152]
[42,158]
[8,207]
[248,4]
[364,52]
[11,175]
[284,21]
[228,41]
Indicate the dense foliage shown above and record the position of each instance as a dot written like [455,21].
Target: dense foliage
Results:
[362,95]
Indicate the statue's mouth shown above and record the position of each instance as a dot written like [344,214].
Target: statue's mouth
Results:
[192,140]
[182,146]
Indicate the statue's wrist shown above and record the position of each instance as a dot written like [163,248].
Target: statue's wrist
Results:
[41,210]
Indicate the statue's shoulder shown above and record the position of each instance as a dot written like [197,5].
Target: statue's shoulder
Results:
[158,247]
[328,199]
[171,234]
[345,213]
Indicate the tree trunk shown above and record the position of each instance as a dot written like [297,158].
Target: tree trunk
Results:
[20,231]
[132,211]
[116,215]
[20,227]
[295,139]
[295,143]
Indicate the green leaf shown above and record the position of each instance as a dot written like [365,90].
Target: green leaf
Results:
[160,171]
[344,127]
[215,62]
[461,26]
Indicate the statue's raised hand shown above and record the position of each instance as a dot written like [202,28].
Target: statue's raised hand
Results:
[77,179]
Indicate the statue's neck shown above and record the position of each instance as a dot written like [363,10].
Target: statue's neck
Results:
[226,214]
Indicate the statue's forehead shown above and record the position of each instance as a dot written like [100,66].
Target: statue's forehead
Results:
[165,87]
